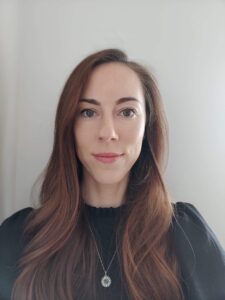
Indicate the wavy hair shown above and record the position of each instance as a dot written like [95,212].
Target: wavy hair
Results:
[59,259]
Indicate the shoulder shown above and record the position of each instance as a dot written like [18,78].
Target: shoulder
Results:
[201,255]
[11,230]
[188,220]
[11,245]
[15,221]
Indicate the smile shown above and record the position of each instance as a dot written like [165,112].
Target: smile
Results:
[107,160]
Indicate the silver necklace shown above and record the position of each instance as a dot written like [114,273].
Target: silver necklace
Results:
[105,280]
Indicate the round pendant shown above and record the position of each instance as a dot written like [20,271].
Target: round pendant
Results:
[106,281]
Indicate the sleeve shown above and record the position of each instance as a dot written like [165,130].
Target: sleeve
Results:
[201,256]
[11,245]
[11,233]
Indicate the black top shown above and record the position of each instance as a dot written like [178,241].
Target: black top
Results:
[201,256]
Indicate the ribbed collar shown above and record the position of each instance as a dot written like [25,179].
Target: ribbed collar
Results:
[98,212]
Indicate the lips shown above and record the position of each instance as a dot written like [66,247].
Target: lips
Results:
[109,154]
[107,159]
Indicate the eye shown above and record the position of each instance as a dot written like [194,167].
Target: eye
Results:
[90,112]
[86,110]
[129,110]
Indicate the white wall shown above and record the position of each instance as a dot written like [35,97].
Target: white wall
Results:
[183,42]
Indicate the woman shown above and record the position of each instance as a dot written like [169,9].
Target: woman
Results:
[106,227]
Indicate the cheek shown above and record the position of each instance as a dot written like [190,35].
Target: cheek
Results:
[134,134]
[133,140]
[81,135]
[80,141]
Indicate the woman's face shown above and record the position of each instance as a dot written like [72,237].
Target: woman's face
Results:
[110,120]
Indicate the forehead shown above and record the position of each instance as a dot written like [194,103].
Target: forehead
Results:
[113,80]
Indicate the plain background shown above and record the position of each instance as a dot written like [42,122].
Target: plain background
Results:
[182,43]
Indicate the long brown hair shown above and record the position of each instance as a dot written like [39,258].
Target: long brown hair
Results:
[60,255]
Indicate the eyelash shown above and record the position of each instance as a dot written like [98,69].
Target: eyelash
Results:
[87,109]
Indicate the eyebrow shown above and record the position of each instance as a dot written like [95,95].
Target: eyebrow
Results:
[119,101]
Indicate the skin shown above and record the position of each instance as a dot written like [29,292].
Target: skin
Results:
[109,127]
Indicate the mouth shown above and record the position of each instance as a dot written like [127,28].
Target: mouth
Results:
[107,159]
[107,154]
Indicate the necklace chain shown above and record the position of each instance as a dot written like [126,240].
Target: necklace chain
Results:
[106,280]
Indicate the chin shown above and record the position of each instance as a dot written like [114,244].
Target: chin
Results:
[108,179]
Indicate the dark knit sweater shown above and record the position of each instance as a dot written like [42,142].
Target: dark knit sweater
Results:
[201,256]
[104,222]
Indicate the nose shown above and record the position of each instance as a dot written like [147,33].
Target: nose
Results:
[107,130]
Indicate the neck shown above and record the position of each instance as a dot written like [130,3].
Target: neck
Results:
[103,195]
